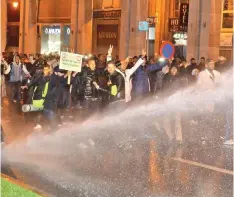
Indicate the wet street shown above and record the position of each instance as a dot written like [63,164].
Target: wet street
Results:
[104,163]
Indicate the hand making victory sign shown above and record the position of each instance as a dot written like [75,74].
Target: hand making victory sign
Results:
[110,50]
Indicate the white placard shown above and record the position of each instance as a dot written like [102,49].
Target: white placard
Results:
[70,61]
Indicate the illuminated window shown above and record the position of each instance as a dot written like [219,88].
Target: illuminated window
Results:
[13,14]
[227,17]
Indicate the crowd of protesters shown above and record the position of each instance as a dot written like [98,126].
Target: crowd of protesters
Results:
[104,83]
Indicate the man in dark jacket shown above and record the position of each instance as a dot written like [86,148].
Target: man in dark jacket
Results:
[140,81]
[55,90]
[191,66]
[116,83]
[202,64]
[173,83]
[77,92]
[40,85]
[91,99]
[160,75]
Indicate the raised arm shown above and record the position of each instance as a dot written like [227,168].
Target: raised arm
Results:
[130,71]
[109,55]
[154,67]
[25,70]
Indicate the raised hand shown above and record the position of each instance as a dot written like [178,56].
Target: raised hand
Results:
[96,85]
[143,53]
[127,59]
[110,50]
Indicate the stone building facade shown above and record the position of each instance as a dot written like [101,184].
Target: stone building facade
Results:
[85,26]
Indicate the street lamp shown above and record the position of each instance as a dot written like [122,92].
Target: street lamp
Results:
[15,4]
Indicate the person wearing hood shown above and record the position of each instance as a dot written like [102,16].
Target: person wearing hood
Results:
[17,72]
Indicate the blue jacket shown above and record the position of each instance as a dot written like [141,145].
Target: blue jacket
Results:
[140,81]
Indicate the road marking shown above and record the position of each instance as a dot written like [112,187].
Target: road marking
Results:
[204,166]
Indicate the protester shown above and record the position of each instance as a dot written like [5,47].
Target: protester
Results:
[195,74]
[209,78]
[77,91]
[222,64]
[40,85]
[17,73]
[176,62]
[55,90]
[116,83]
[172,82]
[128,72]
[158,88]
[101,61]
[91,97]
[4,66]
[172,120]
[202,64]
[103,83]
[140,81]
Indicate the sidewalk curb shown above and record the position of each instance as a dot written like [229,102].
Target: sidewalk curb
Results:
[25,186]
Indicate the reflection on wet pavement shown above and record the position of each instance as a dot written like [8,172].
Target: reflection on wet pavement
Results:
[116,162]
[143,167]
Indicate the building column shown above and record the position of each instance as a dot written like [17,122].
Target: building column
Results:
[22,26]
[125,28]
[74,25]
[132,41]
[28,27]
[3,15]
[81,26]
[85,26]
[215,29]
[159,28]
[204,29]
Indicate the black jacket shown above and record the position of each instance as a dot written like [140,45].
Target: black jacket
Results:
[172,85]
[39,83]
[89,77]
[159,83]
[118,80]
[77,85]
[55,89]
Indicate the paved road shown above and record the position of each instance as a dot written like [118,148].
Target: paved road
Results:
[98,161]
